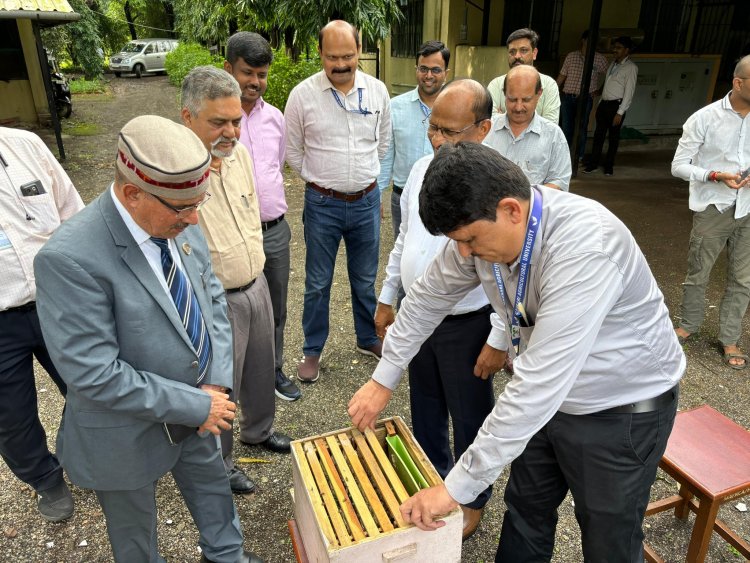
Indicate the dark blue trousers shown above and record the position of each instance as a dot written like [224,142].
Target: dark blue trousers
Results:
[442,385]
[23,442]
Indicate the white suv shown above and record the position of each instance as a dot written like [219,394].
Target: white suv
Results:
[142,55]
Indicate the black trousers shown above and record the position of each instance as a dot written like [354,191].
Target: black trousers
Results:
[442,385]
[605,113]
[608,462]
[23,442]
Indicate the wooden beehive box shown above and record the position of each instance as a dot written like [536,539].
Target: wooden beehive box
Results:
[346,499]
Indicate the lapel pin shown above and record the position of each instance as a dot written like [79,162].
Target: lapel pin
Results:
[186,248]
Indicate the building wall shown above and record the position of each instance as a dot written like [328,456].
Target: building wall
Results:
[25,100]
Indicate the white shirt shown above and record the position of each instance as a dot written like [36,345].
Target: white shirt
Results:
[541,150]
[330,145]
[415,249]
[549,101]
[620,83]
[601,335]
[151,251]
[28,159]
[714,138]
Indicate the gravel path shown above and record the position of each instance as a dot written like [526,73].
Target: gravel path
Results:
[648,200]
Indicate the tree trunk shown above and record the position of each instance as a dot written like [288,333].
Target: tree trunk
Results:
[169,12]
[130,20]
[292,49]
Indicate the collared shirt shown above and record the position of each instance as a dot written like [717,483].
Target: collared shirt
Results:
[541,150]
[27,222]
[549,102]
[230,220]
[409,140]
[263,133]
[714,138]
[415,248]
[572,70]
[151,251]
[620,83]
[330,145]
[600,335]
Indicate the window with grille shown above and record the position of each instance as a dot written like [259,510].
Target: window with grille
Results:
[722,26]
[664,24]
[406,36]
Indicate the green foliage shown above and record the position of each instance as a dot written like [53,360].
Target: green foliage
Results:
[85,44]
[186,57]
[83,86]
[285,74]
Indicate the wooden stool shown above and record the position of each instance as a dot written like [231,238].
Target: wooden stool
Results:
[709,456]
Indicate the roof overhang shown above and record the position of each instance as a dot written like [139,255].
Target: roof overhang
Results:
[44,12]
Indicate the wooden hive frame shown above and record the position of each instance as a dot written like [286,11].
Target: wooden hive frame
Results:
[351,490]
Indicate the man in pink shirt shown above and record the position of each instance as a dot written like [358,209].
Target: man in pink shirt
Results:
[263,133]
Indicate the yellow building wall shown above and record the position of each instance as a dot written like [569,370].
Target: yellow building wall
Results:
[18,102]
[25,100]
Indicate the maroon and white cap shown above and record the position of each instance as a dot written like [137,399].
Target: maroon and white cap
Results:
[163,158]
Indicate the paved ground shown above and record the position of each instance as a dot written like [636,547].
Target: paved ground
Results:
[642,193]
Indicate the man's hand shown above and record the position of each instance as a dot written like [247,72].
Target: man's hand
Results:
[427,504]
[617,120]
[553,186]
[221,415]
[367,404]
[490,360]
[732,180]
[212,387]
[384,317]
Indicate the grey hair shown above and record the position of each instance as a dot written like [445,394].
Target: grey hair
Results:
[207,83]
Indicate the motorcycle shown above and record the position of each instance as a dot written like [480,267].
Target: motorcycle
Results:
[60,89]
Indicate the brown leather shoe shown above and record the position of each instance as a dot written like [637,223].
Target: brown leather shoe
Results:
[472,516]
[376,350]
[308,370]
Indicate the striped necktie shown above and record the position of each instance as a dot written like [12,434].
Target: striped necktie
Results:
[187,307]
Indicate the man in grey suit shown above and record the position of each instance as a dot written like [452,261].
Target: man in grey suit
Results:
[136,322]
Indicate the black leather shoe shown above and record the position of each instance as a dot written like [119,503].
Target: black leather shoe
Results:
[277,442]
[246,557]
[240,483]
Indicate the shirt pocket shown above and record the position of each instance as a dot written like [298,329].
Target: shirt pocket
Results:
[41,213]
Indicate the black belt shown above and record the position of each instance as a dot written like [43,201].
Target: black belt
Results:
[397,190]
[479,311]
[243,288]
[612,101]
[647,405]
[30,306]
[354,196]
[265,225]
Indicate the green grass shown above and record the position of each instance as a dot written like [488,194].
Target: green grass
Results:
[81,129]
[83,86]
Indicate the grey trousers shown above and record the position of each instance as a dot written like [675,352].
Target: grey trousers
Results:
[712,231]
[202,480]
[251,317]
[276,246]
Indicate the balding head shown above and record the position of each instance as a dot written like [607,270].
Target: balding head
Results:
[523,75]
[336,27]
[473,94]
[461,112]
[742,69]
[522,87]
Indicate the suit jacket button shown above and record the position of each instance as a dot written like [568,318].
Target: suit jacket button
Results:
[194,364]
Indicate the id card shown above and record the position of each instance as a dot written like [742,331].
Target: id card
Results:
[4,240]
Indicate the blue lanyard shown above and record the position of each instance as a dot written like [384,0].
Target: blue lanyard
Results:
[519,314]
[359,110]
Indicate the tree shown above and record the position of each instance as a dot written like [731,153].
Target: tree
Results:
[296,21]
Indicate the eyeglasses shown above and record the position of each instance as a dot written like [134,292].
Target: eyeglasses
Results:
[435,70]
[183,211]
[448,133]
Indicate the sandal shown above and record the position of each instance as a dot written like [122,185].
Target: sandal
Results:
[732,355]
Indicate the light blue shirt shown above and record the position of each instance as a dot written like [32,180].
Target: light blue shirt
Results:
[409,140]
[541,150]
